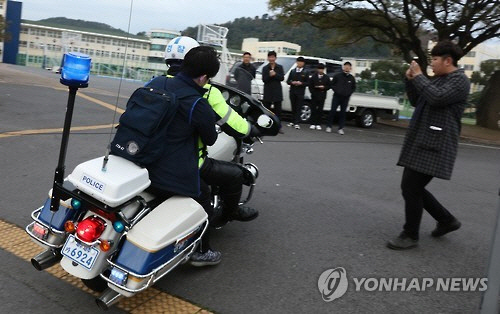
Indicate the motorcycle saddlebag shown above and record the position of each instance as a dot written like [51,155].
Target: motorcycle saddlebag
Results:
[162,235]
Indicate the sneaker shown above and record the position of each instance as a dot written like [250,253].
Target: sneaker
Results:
[281,131]
[341,131]
[402,242]
[318,127]
[312,127]
[209,258]
[244,213]
[328,129]
[444,228]
[297,127]
[290,124]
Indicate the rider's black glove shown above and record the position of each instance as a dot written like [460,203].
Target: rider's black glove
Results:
[254,131]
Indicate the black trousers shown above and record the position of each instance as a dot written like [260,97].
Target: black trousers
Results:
[274,106]
[337,101]
[297,100]
[417,198]
[228,177]
[317,104]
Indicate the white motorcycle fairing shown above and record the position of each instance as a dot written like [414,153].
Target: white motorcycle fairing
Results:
[156,244]
[121,181]
[223,149]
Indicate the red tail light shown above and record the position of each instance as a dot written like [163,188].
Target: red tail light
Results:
[90,229]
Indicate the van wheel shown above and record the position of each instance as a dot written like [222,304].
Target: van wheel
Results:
[366,119]
[305,113]
[96,284]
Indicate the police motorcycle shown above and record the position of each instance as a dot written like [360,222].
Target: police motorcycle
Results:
[102,225]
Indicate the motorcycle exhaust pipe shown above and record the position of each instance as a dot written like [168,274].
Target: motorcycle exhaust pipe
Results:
[45,259]
[107,299]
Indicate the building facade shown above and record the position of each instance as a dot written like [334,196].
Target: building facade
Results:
[3,10]
[43,46]
[159,38]
[471,62]
[259,49]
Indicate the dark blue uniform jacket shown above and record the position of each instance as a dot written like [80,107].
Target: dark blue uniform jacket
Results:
[177,170]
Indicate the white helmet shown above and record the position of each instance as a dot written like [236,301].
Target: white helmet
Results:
[178,47]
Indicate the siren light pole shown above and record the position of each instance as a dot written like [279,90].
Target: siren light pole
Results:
[74,74]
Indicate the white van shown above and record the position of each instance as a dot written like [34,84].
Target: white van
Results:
[362,107]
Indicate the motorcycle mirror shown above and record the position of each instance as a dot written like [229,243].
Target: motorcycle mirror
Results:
[265,121]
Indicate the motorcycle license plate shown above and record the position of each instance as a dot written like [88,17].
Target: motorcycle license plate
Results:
[80,253]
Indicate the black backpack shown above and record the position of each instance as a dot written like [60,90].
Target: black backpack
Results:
[142,132]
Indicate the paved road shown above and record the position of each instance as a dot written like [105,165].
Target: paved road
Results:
[325,201]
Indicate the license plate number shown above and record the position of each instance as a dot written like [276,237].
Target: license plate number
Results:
[79,253]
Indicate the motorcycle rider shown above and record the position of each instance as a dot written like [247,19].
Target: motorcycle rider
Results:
[228,176]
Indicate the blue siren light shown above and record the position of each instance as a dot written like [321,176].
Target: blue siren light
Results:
[75,69]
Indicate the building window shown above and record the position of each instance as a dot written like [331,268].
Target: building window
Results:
[23,43]
[289,51]
[155,60]
[155,47]
[471,54]
[468,67]
[163,35]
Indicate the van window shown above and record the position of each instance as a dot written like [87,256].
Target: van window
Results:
[332,69]
[286,63]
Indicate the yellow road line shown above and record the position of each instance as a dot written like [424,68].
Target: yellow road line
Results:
[78,128]
[56,130]
[101,103]
[151,301]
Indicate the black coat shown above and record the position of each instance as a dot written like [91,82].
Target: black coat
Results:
[431,142]
[315,81]
[343,84]
[302,76]
[273,92]
[244,74]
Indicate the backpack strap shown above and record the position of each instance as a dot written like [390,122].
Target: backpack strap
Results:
[192,109]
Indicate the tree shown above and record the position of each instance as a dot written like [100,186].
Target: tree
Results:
[389,70]
[488,108]
[366,74]
[404,25]
[477,78]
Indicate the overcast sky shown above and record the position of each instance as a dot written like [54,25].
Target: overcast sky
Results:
[146,14]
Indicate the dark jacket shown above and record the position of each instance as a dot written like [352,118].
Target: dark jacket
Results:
[177,170]
[302,76]
[272,84]
[315,81]
[244,74]
[431,142]
[343,84]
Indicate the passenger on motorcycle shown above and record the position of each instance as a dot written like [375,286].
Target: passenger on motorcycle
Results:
[229,177]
